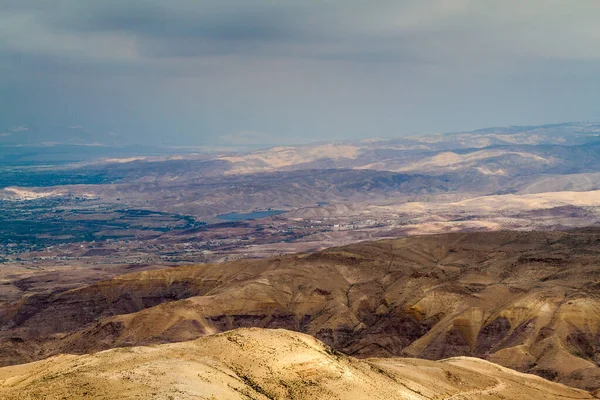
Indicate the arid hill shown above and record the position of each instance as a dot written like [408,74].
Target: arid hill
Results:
[266,364]
[529,301]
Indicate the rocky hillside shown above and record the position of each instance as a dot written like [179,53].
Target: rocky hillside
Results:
[266,364]
[526,300]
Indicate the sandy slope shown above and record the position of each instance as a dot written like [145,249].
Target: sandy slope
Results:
[512,202]
[265,364]
[528,301]
[281,157]
[480,205]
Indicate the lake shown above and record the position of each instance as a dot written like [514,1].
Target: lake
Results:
[252,215]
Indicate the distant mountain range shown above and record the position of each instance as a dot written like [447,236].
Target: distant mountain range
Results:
[17,148]
[288,237]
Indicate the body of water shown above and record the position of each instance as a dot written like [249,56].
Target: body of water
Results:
[253,215]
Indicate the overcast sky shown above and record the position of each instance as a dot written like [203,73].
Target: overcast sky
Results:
[204,72]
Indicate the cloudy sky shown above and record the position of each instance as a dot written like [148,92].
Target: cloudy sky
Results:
[204,72]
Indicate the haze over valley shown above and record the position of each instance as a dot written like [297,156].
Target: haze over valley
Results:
[508,275]
[215,206]
[299,200]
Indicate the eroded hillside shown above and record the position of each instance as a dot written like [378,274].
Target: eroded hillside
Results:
[266,364]
[529,301]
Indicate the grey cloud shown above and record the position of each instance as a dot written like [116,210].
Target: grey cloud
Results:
[207,20]
[186,28]
[190,71]
[400,31]
[165,22]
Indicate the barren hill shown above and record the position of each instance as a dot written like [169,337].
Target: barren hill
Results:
[526,300]
[265,364]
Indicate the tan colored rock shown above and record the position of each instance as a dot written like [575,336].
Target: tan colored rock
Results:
[265,364]
[526,300]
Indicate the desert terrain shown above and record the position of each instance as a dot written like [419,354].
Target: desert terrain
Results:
[213,207]
[525,300]
[298,200]
[468,259]
[266,364]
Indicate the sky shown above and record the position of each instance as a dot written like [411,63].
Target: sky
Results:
[246,72]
